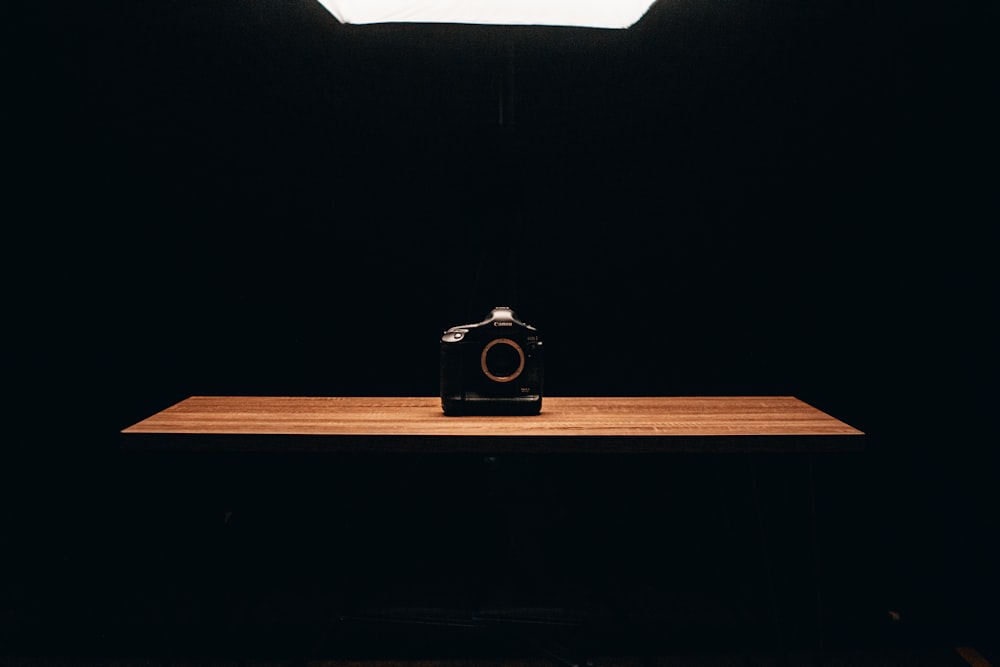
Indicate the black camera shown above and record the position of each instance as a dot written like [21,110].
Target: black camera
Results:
[493,367]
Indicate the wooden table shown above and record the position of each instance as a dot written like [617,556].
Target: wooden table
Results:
[566,424]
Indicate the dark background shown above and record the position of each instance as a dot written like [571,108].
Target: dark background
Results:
[225,197]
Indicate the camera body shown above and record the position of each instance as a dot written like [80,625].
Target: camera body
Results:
[493,367]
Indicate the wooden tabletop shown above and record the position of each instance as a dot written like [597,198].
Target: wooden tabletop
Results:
[566,424]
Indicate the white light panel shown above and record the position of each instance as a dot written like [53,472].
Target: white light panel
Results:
[617,14]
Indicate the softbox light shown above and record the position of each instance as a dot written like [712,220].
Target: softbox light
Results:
[616,14]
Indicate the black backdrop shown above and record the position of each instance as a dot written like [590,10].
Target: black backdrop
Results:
[729,198]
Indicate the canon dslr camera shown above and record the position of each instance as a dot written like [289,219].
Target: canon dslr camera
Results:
[493,367]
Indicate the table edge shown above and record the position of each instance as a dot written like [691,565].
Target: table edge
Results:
[491,444]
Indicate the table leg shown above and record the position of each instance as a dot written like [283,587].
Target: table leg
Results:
[767,560]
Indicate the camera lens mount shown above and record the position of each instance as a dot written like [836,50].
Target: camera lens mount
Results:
[506,361]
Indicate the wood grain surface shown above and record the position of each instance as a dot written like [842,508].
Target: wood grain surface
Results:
[572,424]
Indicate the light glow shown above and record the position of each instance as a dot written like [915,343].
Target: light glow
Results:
[617,14]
